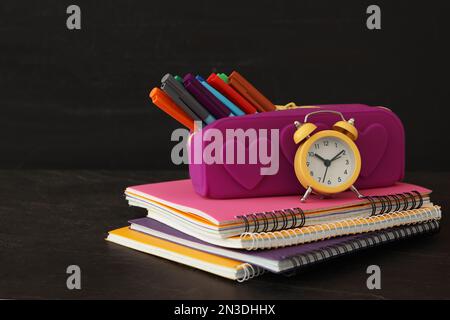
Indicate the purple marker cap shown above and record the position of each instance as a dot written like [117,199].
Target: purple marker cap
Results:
[207,99]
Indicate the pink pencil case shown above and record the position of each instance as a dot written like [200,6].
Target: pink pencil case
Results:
[381,143]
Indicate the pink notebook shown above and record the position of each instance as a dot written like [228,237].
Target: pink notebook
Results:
[178,198]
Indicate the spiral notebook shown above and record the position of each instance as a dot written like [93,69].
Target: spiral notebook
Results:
[177,204]
[289,258]
[289,237]
[219,265]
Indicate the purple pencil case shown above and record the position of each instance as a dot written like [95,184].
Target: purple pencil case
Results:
[381,143]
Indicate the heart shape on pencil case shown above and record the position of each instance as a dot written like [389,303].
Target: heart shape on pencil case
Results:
[247,175]
[372,140]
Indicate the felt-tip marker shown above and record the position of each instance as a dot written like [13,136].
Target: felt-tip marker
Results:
[216,82]
[165,103]
[230,105]
[206,98]
[185,100]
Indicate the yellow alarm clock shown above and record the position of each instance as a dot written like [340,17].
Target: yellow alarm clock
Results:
[327,162]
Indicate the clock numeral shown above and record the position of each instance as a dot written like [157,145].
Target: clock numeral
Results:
[339,179]
[335,144]
[311,173]
[316,145]
[307,164]
[347,162]
[343,153]
[345,172]
[319,178]
[329,181]
[325,143]
[311,154]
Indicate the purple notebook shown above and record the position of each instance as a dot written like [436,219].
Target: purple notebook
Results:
[288,258]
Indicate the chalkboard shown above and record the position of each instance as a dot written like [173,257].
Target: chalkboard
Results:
[79,98]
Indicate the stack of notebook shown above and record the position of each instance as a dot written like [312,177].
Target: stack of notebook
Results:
[242,238]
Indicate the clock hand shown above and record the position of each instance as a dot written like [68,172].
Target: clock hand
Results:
[325,174]
[337,156]
[320,157]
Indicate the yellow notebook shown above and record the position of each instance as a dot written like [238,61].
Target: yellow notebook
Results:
[224,267]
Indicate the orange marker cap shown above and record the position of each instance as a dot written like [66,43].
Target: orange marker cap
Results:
[166,104]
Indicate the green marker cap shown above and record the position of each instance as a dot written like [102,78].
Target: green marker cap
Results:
[179,79]
[223,76]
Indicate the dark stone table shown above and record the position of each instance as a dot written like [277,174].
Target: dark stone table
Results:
[52,219]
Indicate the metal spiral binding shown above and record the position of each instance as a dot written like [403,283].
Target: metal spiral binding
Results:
[288,237]
[250,272]
[271,221]
[363,242]
[420,198]
[278,219]
[393,202]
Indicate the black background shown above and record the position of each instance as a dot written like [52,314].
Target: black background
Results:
[79,99]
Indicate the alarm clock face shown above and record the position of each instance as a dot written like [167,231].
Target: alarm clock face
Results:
[328,161]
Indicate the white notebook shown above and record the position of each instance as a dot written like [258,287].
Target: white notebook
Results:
[275,239]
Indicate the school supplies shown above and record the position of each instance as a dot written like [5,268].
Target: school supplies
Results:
[165,103]
[221,236]
[381,143]
[230,105]
[250,223]
[288,258]
[213,99]
[249,92]
[176,201]
[217,83]
[223,76]
[206,98]
[184,100]
[224,267]
[179,79]
[298,236]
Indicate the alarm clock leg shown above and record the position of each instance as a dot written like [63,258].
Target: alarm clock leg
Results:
[356,191]
[306,195]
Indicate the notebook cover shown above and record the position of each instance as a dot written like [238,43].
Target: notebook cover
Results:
[181,195]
